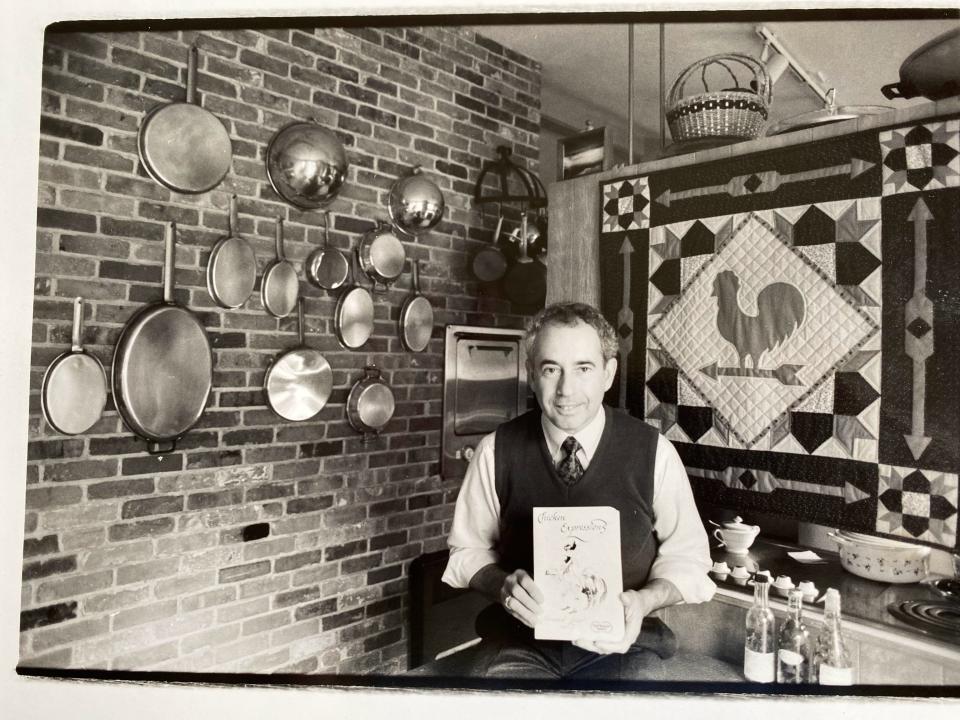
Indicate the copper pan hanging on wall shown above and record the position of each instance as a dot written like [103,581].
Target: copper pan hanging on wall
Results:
[416,317]
[162,370]
[182,146]
[74,390]
[298,383]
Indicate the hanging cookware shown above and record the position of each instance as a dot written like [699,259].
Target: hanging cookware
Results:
[526,280]
[280,286]
[415,203]
[381,256]
[353,317]
[932,70]
[298,383]
[306,164]
[162,370]
[74,389]
[416,317]
[370,404]
[232,267]
[490,264]
[181,145]
[326,267]
[830,113]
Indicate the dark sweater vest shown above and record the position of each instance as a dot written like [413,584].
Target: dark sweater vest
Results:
[620,475]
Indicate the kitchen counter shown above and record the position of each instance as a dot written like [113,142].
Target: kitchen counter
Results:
[863,600]
[887,652]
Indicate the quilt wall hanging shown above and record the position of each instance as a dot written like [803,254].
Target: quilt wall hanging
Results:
[791,321]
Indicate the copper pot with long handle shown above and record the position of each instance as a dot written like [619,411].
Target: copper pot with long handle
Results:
[182,146]
[299,382]
[74,389]
[162,370]
[327,267]
[416,317]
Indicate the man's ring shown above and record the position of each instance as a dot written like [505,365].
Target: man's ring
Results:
[506,603]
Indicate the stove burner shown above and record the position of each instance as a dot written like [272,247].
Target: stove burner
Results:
[934,617]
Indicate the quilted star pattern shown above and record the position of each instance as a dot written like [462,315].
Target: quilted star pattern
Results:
[918,504]
[740,402]
[626,205]
[784,316]
[921,157]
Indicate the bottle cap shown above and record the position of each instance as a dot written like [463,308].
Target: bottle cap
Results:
[832,599]
[761,578]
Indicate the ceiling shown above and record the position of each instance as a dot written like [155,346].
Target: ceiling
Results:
[585,66]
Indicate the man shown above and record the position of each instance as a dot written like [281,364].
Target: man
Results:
[575,451]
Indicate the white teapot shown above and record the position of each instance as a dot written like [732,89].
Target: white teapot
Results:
[736,536]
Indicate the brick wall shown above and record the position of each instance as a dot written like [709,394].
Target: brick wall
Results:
[259,545]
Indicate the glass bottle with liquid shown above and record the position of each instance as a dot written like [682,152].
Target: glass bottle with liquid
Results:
[793,648]
[759,650]
[831,662]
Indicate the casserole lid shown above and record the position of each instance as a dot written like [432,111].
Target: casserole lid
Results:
[878,542]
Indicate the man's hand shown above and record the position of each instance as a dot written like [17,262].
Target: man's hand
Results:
[637,604]
[517,592]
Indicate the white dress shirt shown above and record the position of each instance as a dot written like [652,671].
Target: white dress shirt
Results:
[683,557]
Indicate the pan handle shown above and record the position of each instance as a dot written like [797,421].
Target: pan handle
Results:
[77,324]
[192,75]
[169,264]
[232,221]
[416,276]
[300,321]
[326,229]
[279,233]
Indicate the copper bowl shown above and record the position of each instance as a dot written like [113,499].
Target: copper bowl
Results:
[415,204]
[306,164]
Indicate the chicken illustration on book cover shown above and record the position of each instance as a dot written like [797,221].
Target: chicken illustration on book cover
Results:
[576,564]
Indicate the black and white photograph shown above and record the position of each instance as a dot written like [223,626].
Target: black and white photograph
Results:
[312,312]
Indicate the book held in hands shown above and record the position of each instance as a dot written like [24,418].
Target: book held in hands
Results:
[576,564]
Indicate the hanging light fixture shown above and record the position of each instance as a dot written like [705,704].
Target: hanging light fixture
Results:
[511,183]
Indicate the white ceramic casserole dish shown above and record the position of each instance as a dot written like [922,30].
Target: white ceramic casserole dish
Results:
[880,559]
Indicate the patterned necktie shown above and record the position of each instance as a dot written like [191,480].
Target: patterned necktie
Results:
[569,468]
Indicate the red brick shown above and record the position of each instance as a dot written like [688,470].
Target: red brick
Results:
[70,632]
[46,497]
[147,571]
[244,572]
[144,614]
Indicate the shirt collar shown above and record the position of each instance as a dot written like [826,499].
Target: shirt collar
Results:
[588,437]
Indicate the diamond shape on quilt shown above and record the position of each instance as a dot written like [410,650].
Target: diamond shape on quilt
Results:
[626,205]
[920,157]
[758,329]
[918,504]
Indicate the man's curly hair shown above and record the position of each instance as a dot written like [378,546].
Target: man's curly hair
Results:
[569,314]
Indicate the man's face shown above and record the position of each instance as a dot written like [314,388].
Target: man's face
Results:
[568,374]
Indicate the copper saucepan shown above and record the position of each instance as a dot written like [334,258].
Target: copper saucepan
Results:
[182,146]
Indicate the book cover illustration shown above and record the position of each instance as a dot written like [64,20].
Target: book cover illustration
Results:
[576,564]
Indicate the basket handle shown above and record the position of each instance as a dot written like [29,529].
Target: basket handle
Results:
[764,86]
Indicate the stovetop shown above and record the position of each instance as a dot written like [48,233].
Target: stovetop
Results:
[937,618]
[863,600]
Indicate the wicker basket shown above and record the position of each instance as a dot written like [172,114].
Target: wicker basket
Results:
[734,113]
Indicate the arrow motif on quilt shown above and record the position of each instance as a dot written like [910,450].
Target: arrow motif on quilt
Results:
[625,320]
[918,333]
[766,181]
[786,373]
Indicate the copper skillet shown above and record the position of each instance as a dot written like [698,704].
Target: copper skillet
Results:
[182,146]
[326,267]
[74,390]
[353,318]
[280,286]
[232,267]
[162,370]
[298,383]
[416,317]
